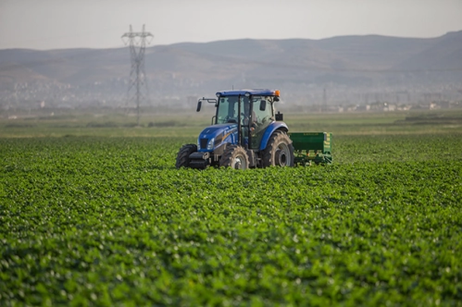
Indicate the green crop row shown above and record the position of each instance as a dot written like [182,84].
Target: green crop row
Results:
[110,221]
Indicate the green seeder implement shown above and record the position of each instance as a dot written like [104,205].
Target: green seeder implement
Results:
[312,147]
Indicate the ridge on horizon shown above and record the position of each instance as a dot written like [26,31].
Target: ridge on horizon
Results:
[456,32]
[355,61]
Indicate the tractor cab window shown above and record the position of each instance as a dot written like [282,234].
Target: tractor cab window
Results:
[228,109]
[262,116]
[263,110]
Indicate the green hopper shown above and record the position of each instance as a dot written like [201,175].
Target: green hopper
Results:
[312,147]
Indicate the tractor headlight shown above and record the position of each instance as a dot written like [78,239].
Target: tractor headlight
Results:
[198,144]
[210,144]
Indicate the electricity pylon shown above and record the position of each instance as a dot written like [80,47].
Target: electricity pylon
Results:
[137,88]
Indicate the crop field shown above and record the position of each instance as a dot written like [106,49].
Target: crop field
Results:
[92,218]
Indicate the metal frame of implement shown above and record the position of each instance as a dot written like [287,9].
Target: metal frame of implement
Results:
[312,147]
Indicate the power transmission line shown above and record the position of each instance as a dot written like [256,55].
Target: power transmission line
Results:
[137,88]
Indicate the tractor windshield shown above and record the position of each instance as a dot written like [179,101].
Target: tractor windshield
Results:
[228,109]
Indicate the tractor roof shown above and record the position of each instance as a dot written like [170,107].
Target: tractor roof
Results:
[251,92]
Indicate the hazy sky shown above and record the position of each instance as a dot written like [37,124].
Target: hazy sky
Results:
[53,24]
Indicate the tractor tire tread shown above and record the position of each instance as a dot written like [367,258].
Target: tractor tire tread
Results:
[182,158]
[227,158]
[268,155]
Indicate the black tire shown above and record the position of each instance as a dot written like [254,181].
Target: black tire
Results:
[182,158]
[235,157]
[279,151]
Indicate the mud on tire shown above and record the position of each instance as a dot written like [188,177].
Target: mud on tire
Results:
[235,157]
[279,151]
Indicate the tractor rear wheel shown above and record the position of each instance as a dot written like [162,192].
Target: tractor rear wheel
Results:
[235,157]
[279,151]
[182,158]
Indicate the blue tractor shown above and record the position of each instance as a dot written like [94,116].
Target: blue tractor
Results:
[246,133]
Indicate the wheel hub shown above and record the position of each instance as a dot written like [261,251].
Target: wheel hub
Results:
[281,157]
[237,163]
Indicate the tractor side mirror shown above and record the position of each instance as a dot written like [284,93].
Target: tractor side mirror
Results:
[262,105]
[209,100]
[279,116]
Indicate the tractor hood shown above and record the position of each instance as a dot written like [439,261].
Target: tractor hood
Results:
[215,136]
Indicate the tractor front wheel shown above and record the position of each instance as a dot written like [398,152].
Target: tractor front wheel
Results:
[279,151]
[235,157]
[182,158]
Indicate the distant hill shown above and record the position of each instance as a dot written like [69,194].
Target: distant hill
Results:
[445,53]
[300,67]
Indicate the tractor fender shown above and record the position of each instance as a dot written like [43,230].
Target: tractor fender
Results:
[270,130]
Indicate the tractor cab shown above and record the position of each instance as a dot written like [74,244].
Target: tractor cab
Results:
[253,113]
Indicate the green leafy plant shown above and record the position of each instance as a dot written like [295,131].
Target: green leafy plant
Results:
[110,221]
